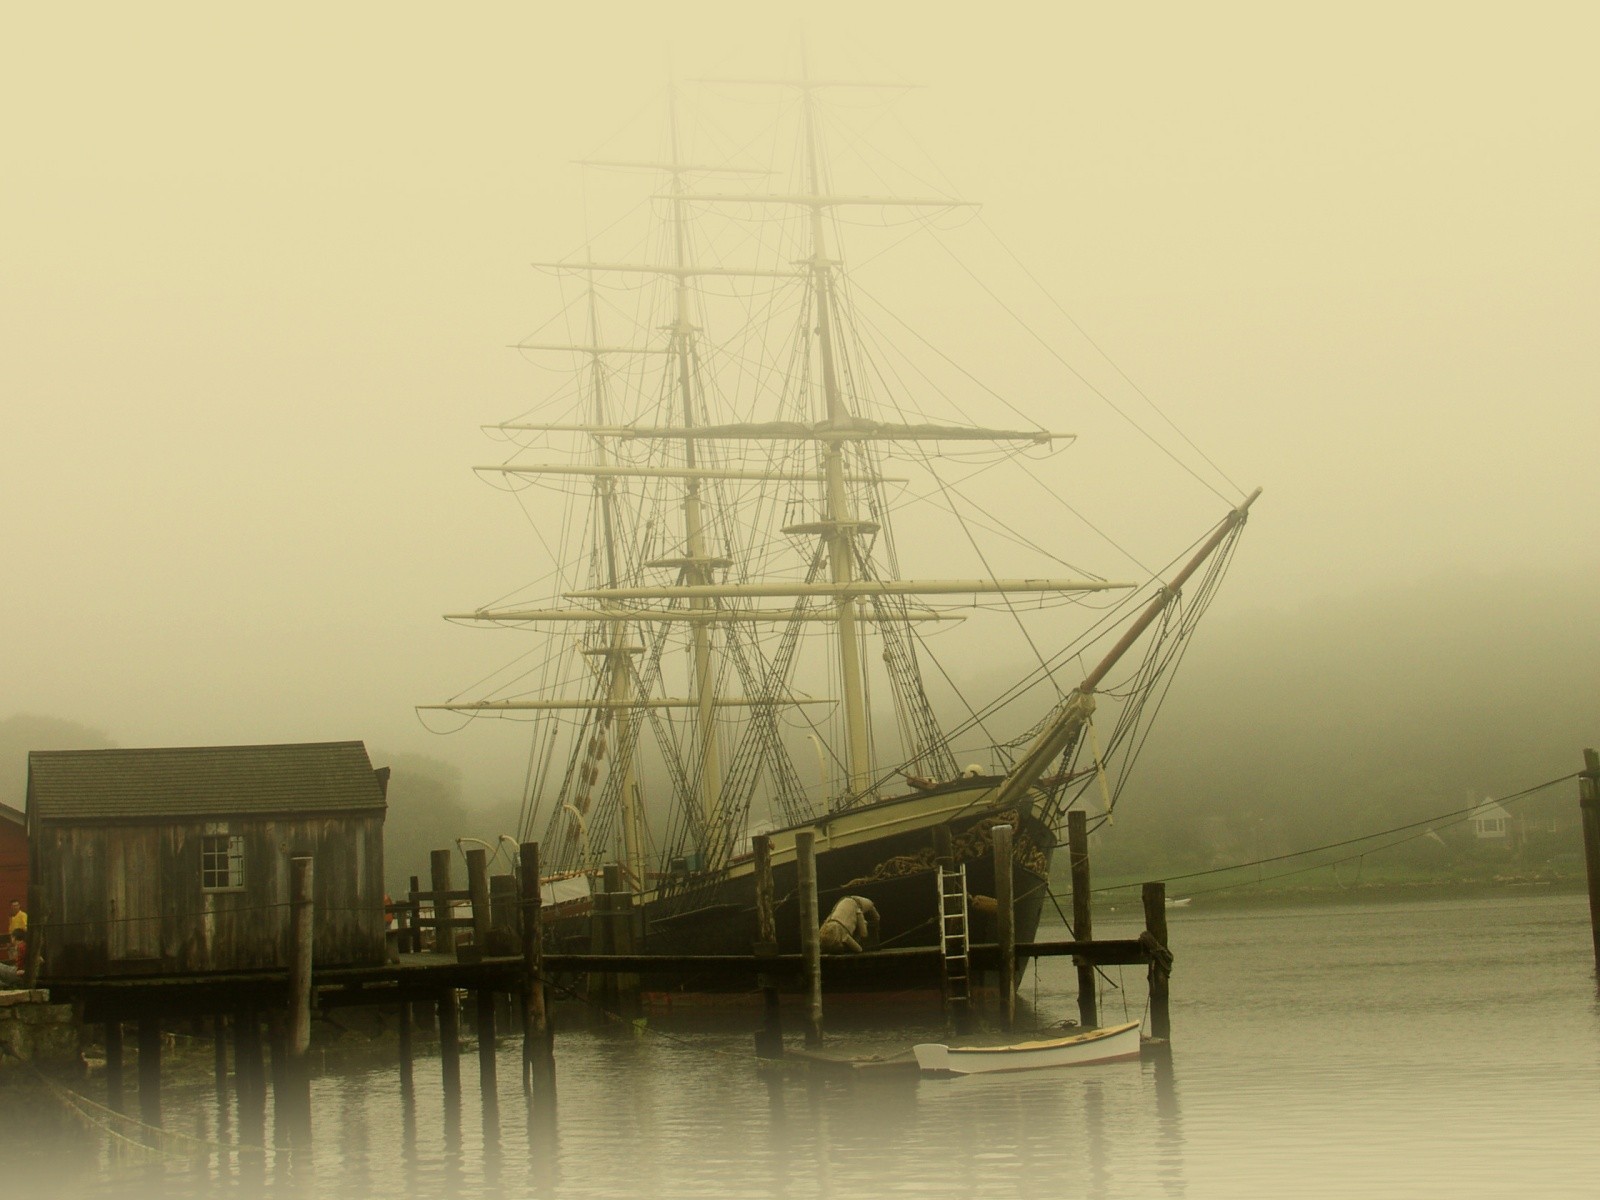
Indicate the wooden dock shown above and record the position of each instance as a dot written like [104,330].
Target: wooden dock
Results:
[270,1010]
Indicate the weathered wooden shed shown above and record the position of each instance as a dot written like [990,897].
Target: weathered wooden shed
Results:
[177,859]
[13,858]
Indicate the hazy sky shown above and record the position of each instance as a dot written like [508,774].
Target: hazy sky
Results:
[262,263]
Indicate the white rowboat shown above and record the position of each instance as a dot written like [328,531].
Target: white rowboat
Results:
[1112,1044]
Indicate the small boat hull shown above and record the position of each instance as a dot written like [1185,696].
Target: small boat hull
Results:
[1112,1044]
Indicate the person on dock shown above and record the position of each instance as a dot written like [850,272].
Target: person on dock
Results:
[18,929]
[848,922]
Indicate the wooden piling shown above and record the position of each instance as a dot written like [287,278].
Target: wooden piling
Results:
[278,1069]
[1005,921]
[249,1077]
[486,1046]
[628,984]
[538,1064]
[1082,914]
[219,1053]
[406,1027]
[1155,924]
[478,889]
[114,1100]
[416,912]
[944,853]
[769,1037]
[150,1068]
[444,934]
[291,1078]
[602,985]
[450,1043]
[502,914]
[805,848]
[301,929]
[1589,805]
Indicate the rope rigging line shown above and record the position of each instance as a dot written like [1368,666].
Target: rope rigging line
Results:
[1115,366]
[1413,829]
[1082,378]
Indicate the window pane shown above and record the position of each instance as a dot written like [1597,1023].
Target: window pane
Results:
[222,863]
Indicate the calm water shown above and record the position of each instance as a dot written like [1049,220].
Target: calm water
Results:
[1444,1048]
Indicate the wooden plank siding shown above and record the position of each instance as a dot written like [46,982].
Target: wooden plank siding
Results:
[127,899]
[124,883]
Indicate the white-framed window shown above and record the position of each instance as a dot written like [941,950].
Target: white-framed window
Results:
[222,863]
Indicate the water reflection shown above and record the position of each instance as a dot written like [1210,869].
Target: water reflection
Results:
[1169,1124]
[1266,1103]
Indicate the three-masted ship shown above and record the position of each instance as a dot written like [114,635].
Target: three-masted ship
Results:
[729,643]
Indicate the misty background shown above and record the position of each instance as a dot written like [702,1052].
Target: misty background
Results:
[262,267]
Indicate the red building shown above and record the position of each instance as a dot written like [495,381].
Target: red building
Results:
[13,859]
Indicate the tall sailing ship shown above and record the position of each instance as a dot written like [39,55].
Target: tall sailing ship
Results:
[728,642]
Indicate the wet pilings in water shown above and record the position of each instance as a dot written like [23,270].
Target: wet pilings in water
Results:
[1005,922]
[1155,940]
[769,1038]
[538,1051]
[1082,914]
[805,848]
[150,1068]
[1589,805]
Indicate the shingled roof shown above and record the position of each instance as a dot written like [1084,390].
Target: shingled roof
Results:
[201,781]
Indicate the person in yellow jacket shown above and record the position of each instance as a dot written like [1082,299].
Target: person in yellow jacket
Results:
[18,929]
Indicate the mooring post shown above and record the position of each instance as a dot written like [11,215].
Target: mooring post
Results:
[1589,804]
[502,913]
[1082,914]
[444,934]
[219,1053]
[406,1026]
[294,1080]
[502,936]
[538,1053]
[805,849]
[279,1071]
[602,937]
[478,890]
[114,1064]
[486,1037]
[769,1038]
[416,913]
[150,1068]
[249,1075]
[628,983]
[450,1043]
[1005,921]
[301,932]
[1155,924]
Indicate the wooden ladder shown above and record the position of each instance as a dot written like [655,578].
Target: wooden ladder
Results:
[953,944]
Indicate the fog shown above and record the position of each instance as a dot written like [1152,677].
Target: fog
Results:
[263,267]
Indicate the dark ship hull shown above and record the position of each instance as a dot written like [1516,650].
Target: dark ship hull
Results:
[882,851]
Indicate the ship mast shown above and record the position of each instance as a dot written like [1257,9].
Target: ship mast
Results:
[839,528]
[696,565]
[617,651]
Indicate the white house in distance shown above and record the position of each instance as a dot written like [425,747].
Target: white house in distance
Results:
[1491,823]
